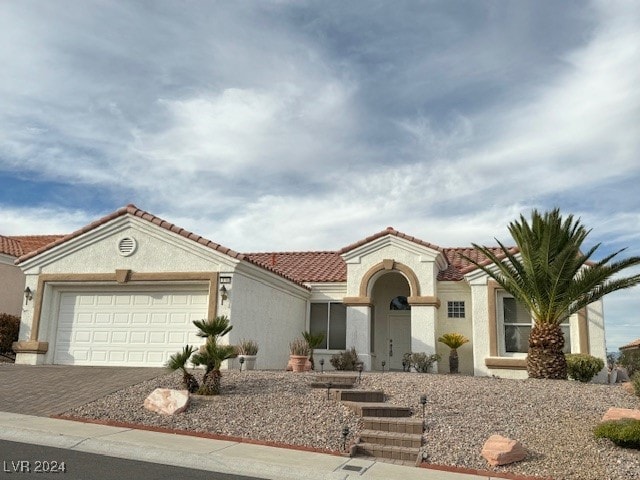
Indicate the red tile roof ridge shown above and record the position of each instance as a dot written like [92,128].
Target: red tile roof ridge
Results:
[385,232]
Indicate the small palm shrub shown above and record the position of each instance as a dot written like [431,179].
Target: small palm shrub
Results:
[423,362]
[9,328]
[454,341]
[624,433]
[178,361]
[583,367]
[314,340]
[630,359]
[346,360]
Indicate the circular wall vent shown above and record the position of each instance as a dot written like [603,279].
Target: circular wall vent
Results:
[126,246]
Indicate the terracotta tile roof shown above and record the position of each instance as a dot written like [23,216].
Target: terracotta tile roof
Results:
[304,266]
[631,346]
[135,211]
[298,267]
[389,231]
[23,244]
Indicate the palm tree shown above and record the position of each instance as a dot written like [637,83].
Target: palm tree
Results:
[454,341]
[314,341]
[178,361]
[212,354]
[549,274]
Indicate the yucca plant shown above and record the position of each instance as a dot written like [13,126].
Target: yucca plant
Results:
[314,341]
[453,341]
[178,361]
[553,279]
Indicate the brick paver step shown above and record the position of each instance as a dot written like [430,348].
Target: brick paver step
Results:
[336,378]
[376,409]
[390,452]
[398,425]
[376,396]
[409,440]
[332,385]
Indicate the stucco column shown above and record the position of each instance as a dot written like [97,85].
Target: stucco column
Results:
[359,332]
[423,330]
[481,341]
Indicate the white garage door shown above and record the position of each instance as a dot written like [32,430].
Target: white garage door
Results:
[124,327]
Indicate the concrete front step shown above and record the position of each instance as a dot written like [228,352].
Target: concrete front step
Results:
[396,425]
[332,385]
[336,378]
[386,451]
[408,440]
[376,409]
[375,396]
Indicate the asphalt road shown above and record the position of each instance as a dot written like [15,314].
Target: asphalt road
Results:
[25,461]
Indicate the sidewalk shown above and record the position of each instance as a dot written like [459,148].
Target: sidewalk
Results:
[206,454]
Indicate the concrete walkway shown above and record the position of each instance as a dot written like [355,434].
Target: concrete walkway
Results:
[206,454]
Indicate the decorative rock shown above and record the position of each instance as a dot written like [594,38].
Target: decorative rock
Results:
[499,450]
[166,401]
[618,413]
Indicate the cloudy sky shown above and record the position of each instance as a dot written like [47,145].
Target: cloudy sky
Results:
[307,125]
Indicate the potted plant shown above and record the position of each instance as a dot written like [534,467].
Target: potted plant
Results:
[299,354]
[453,341]
[314,341]
[248,350]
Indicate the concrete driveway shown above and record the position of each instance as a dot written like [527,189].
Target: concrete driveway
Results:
[53,389]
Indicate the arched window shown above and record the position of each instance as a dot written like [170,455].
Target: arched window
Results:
[399,303]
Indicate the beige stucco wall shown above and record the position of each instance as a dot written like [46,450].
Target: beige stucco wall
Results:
[271,315]
[449,292]
[11,287]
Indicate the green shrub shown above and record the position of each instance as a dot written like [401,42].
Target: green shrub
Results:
[624,433]
[583,367]
[346,360]
[423,362]
[630,359]
[635,381]
[9,328]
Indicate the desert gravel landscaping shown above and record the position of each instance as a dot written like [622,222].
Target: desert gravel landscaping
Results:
[553,419]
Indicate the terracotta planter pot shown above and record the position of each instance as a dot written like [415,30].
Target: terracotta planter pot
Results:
[298,362]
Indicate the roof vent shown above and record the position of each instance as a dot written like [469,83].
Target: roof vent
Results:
[126,246]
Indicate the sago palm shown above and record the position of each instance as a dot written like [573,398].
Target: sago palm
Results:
[553,279]
[212,354]
[454,341]
[178,361]
[314,340]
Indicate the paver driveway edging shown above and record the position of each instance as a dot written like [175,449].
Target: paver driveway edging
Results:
[45,390]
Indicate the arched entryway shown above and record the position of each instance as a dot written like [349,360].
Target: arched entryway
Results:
[391,320]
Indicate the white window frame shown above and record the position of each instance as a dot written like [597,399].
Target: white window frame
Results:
[502,351]
[455,308]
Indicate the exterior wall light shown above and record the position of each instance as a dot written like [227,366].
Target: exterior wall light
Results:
[423,402]
[359,369]
[322,365]
[223,294]
[345,434]
[28,295]
[241,360]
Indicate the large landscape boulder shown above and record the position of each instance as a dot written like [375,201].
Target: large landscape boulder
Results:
[167,401]
[619,413]
[499,450]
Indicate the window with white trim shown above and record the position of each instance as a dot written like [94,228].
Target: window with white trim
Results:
[330,318]
[455,309]
[515,324]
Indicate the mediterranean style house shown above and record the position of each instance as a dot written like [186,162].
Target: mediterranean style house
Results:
[125,289]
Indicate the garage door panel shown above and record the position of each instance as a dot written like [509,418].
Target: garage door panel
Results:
[126,328]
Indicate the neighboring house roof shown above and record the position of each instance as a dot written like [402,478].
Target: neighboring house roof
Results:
[17,246]
[631,346]
[298,267]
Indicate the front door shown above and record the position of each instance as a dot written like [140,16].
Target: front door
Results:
[399,339]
